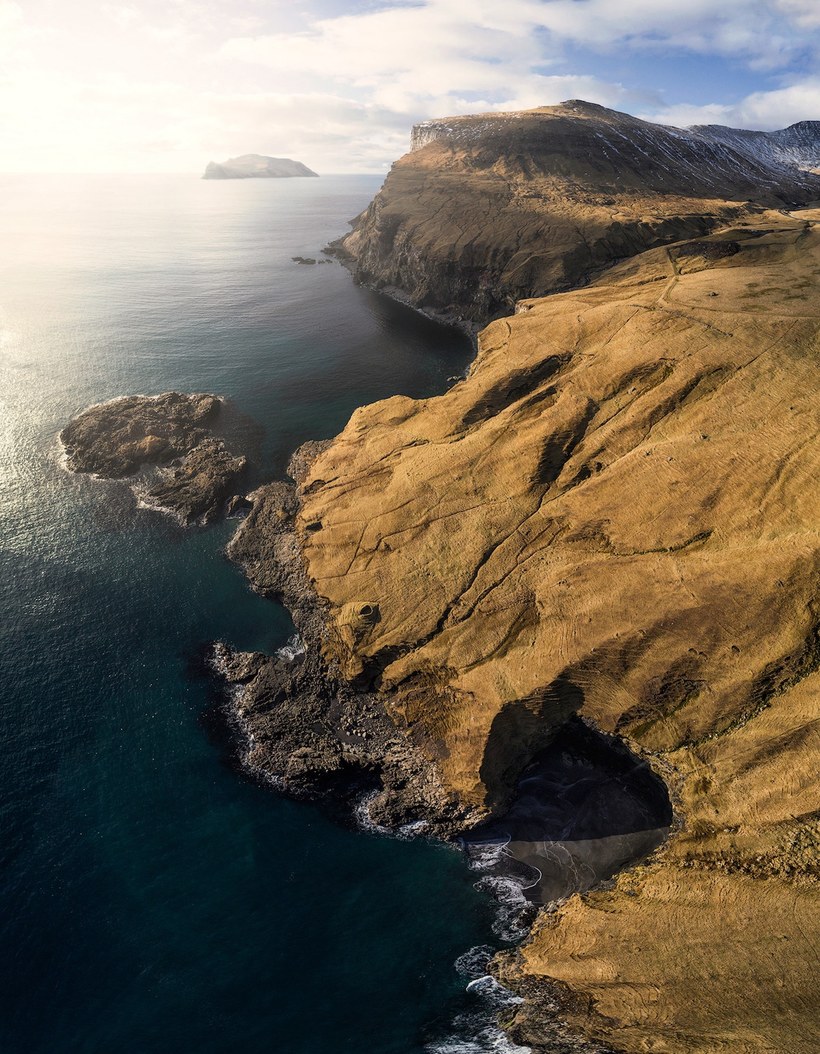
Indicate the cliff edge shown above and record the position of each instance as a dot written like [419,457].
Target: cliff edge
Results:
[614,515]
[490,209]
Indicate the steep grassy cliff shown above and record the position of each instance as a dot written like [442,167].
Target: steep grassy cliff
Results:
[616,514]
[489,209]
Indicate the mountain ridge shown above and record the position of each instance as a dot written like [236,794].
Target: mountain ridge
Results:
[490,209]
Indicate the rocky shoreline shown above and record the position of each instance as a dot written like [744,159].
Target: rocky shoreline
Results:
[309,731]
[612,519]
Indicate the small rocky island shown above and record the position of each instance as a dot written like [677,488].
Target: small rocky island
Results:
[197,474]
[257,166]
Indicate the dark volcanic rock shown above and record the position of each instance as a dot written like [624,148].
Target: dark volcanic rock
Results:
[305,728]
[115,439]
[238,506]
[119,438]
[199,487]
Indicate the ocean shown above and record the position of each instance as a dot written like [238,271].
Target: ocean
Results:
[153,900]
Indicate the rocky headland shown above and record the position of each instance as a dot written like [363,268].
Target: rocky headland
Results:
[488,210]
[195,475]
[613,521]
[256,166]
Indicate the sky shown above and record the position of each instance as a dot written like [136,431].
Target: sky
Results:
[167,85]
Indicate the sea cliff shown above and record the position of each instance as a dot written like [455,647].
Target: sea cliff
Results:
[487,210]
[613,516]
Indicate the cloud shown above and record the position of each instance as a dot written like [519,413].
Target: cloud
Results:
[168,84]
[442,47]
[762,33]
[430,59]
[402,55]
[764,110]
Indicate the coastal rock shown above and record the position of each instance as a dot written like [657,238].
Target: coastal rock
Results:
[198,488]
[238,506]
[116,438]
[487,210]
[305,728]
[614,515]
[256,166]
[196,473]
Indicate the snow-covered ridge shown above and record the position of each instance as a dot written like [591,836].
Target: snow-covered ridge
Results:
[797,145]
[708,152]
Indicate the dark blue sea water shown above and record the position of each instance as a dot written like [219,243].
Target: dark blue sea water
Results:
[152,900]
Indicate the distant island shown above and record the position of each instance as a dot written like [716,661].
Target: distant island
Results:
[257,166]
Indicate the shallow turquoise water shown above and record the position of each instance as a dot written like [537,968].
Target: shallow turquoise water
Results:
[152,900]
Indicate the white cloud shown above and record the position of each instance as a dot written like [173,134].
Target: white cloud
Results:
[442,45]
[762,32]
[764,110]
[440,49]
[168,84]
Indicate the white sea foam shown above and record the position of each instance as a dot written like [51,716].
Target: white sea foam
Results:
[493,992]
[483,856]
[294,648]
[406,833]
[514,915]
[363,817]
[488,1040]
[476,1032]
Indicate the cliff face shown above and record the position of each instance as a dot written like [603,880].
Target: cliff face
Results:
[614,515]
[487,210]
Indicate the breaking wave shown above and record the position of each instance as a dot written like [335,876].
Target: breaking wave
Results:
[475,1031]
[293,649]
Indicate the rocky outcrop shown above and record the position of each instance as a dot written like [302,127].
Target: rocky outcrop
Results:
[304,727]
[117,439]
[256,166]
[487,210]
[613,516]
